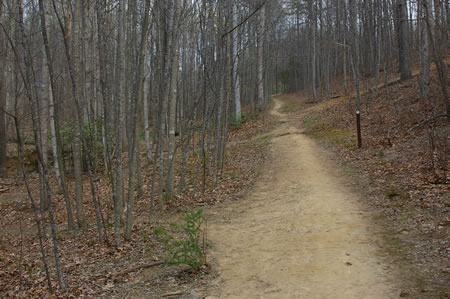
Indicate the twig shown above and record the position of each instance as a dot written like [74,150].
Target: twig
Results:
[135,268]
[283,134]
[245,19]
[172,294]
[426,121]
[8,184]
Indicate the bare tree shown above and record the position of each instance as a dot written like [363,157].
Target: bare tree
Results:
[261,33]
[403,48]
[3,84]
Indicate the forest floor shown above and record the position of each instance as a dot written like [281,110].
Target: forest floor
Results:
[329,220]
[401,171]
[302,232]
[134,269]
[299,211]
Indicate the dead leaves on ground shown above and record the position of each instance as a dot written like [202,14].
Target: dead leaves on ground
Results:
[87,265]
[404,164]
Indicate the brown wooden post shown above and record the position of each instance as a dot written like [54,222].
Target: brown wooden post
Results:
[358,128]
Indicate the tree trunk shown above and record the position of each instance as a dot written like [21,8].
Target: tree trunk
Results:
[424,78]
[236,78]
[52,97]
[118,183]
[403,50]
[43,126]
[439,50]
[77,151]
[146,108]
[132,153]
[261,32]
[172,103]
[355,51]
[3,94]
[313,54]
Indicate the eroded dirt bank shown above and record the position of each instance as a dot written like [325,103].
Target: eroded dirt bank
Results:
[299,233]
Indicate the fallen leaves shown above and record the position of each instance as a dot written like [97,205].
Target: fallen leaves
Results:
[94,270]
[406,171]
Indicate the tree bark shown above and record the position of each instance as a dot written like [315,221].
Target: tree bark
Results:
[118,183]
[77,151]
[236,77]
[424,78]
[53,97]
[261,32]
[403,49]
[172,103]
[3,95]
[132,154]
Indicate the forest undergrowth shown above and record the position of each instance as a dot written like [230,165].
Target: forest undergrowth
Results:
[92,269]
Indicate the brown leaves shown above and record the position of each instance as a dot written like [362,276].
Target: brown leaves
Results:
[88,265]
[404,171]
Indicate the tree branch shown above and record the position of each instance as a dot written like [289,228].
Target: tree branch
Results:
[426,121]
[245,19]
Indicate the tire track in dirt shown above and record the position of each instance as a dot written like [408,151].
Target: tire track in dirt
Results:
[299,233]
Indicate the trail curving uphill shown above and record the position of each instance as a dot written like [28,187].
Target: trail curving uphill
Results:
[300,233]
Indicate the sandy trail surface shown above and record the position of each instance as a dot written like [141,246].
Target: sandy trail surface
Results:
[301,232]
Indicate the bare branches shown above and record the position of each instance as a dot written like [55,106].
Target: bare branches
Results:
[245,19]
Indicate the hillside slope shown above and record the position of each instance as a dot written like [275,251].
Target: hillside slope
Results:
[403,167]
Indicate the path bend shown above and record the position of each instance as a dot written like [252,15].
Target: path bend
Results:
[301,232]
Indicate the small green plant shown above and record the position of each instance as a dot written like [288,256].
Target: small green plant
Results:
[289,108]
[144,234]
[237,123]
[66,134]
[190,249]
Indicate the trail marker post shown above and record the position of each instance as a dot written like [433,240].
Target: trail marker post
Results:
[358,128]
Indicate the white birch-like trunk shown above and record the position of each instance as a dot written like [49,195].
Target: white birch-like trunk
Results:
[53,141]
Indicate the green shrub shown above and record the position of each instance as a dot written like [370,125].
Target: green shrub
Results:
[237,123]
[188,250]
[66,135]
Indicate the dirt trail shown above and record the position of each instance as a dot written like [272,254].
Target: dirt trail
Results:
[300,233]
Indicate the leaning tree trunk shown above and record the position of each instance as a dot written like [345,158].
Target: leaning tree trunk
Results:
[439,50]
[43,167]
[53,97]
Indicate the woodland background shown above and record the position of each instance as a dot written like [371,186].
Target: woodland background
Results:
[114,111]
